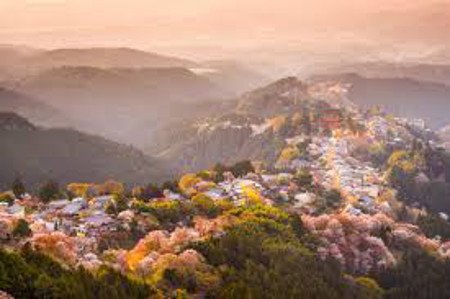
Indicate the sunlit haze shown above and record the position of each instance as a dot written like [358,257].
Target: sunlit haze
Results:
[205,29]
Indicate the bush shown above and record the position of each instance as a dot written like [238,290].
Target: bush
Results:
[304,178]
[242,168]
[7,197]
[205,205]
[18,188]
[49,191]
[22,229]
[165,211]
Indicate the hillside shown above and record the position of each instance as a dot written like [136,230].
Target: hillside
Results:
[232,76]
[67,155]
[148,82]
[254,127]
[35,110]
[400,96]
[105,58]
[134,97]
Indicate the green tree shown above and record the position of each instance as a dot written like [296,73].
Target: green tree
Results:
[205,205]
[242,168]
[433,225]
[7,197]
[121,203]
[49,191]
[110,208]
[22,229]
[152,191]
[18,188]
[170,185]
[304,178]
[332,198]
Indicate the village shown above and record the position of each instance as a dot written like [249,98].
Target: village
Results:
[327,174]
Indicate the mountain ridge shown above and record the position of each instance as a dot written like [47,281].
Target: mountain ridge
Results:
[68,155]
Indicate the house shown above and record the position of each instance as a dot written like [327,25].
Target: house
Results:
[74,207]
[16,210]
[3,206]
[172,195]
[215,193]
[303,199]
[350,209]
[330,119]
[100,202]
[443,216]
[97,220]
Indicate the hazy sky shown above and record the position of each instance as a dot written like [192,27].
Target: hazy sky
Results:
[228,25]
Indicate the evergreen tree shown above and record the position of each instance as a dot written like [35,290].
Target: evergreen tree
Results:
[18,188]
[22,229]
[49,191]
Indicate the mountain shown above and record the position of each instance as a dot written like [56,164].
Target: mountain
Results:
[282,96]
[11,60]
[11,54]
[232,76]
[36,111]
[145,84]
[21,61]
[437,73]
[400,96]
[66,155]
[254,126]
[116,102]
[105,58]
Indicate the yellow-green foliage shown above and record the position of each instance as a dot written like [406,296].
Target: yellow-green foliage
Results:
[79,189]
[260,211]
[404,161]
[205,204]
[252,195]
[371,287]
[110,187]
[187,183]
[164,211]
[206,175]
[224,204]
[289,153]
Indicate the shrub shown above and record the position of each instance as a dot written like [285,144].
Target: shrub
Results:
[49,191]
[22,229]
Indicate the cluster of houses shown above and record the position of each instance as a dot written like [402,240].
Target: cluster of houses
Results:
[359,183]
[76,217]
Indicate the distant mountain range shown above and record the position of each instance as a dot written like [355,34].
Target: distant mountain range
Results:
[60,85]
[400,96]
[105,58]
[120,93]
[66,155]
[20,61]
[233,76]
[115,102]
[437,73]
[24,59]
